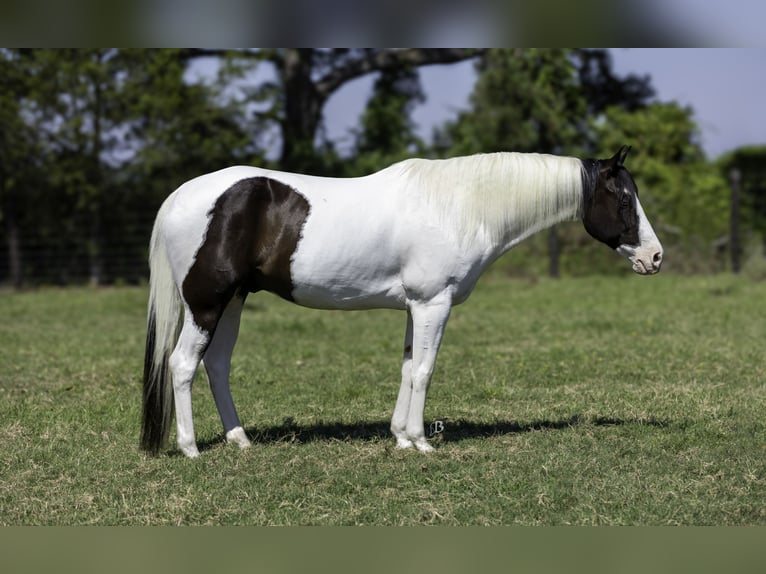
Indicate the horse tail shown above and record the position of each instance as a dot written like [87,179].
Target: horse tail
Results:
[163,326]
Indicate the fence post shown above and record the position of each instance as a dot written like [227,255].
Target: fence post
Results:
[553,252]
[735,179]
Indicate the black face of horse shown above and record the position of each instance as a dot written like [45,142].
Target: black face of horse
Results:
[613,214]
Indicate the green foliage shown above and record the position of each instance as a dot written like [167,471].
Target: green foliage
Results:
[387,132]
[660,130]
[112,133]
[541,100]
[592,401]
[180,129]
[16,139]
[20,148]
[524,100]
[386,125]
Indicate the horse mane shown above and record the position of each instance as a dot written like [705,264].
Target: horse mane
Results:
[499,193]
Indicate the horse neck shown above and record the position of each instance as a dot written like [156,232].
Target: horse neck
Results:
[500,199]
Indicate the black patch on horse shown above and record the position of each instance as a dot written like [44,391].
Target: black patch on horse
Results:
[253,231]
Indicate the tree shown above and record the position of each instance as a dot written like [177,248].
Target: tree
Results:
[678,186]
[115,132]
[176,129]
[387,132]
[524,100]
[541,100]
[304,79]
[602,89]
[19,161]
[73,99]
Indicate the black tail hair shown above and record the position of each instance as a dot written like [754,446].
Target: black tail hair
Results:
[157,409]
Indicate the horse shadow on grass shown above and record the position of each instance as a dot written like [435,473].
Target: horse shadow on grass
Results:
[448,430]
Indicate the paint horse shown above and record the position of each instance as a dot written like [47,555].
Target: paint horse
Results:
[415,236]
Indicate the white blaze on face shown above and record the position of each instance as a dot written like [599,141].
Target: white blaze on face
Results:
[646,257]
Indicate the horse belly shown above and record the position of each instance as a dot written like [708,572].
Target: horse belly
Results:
[350,295]
[349,268]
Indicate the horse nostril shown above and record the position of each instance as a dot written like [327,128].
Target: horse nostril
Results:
[657,258]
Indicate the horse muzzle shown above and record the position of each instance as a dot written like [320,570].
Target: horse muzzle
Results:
[645,260]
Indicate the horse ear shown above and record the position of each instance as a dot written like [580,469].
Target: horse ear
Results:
[616,161]
[623,153]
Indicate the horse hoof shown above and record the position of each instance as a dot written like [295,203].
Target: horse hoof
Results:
[404,443]
[237,436]
[423,446]
[190,451]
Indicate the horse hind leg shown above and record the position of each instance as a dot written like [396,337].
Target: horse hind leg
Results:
[217,361]
[399,418]
[184,361]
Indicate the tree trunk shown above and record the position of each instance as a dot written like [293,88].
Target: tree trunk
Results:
[95,250]
[12,238]
[302,111]
[305,95]
[96,235]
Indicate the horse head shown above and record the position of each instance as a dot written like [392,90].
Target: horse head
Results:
[613,214]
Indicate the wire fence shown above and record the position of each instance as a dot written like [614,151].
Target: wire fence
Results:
[114,251]
[112,247]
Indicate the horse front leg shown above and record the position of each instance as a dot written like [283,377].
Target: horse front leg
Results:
[428,320]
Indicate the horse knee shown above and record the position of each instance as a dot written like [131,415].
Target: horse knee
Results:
[183,369]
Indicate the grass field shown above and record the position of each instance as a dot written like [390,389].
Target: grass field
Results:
[580,401]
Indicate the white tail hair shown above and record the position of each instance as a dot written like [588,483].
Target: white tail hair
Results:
[163,326]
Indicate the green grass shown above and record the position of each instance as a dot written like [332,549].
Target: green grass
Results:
[580,401]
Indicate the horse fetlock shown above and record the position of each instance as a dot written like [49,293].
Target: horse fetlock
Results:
[418,438]
[402,440]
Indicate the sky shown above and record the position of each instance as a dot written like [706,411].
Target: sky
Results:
[725,87]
